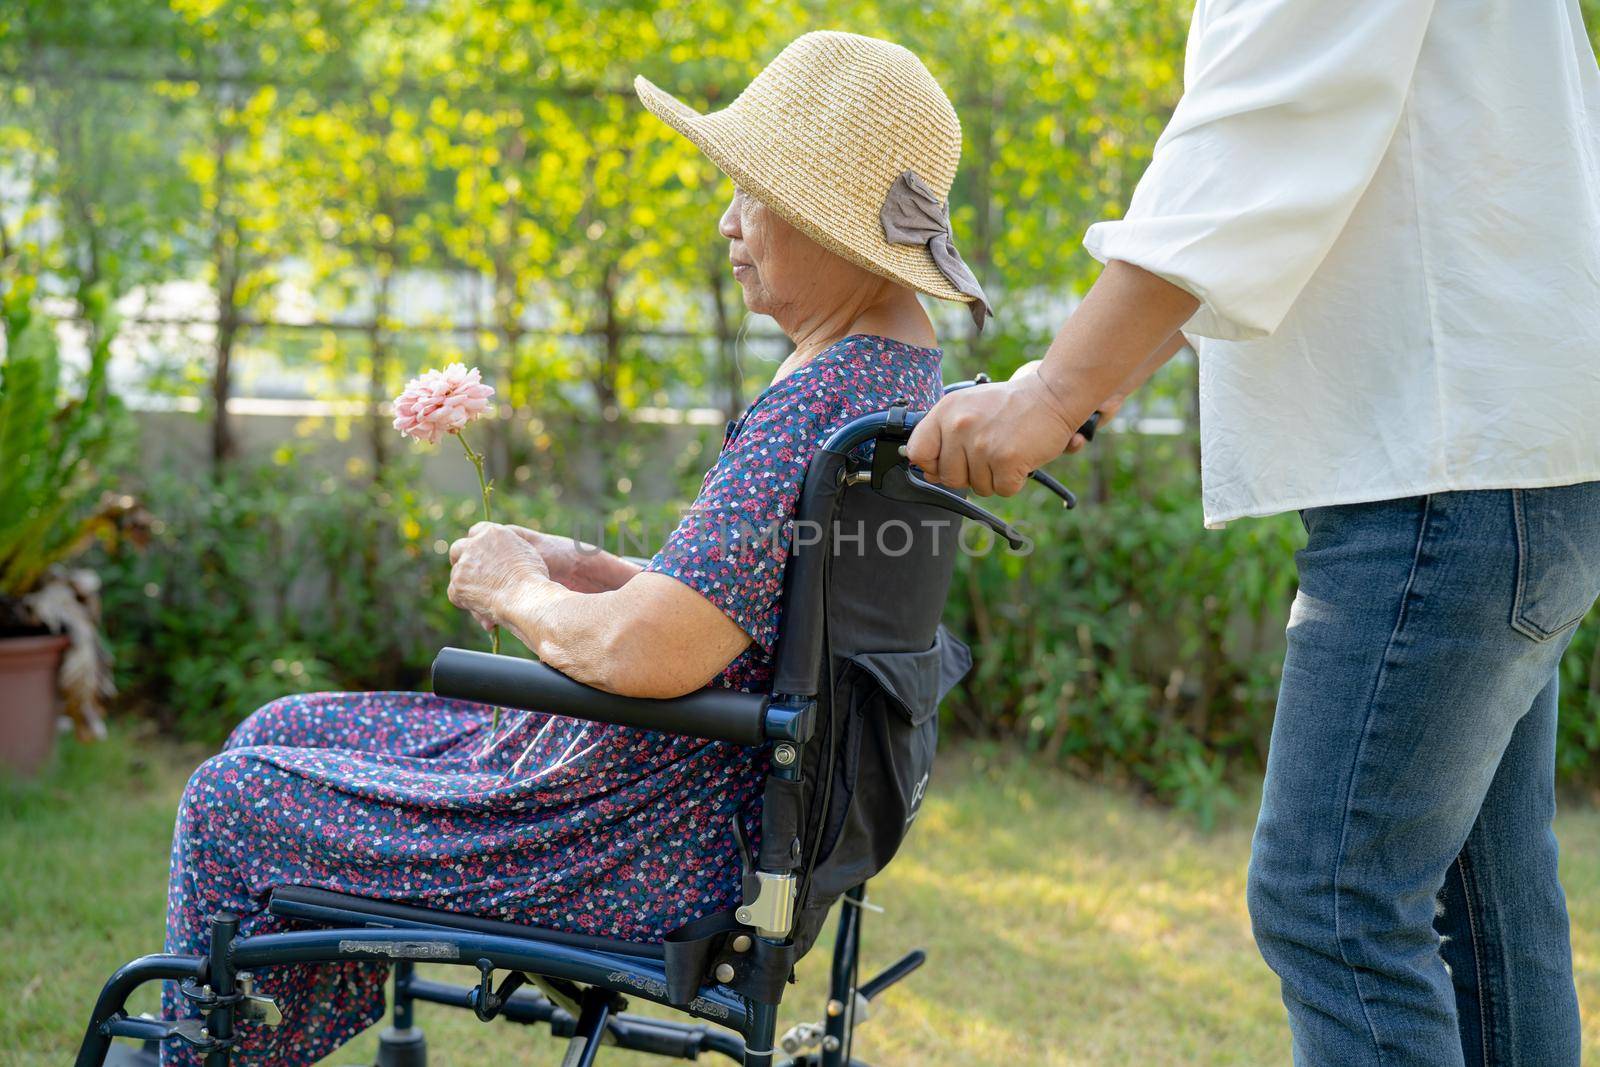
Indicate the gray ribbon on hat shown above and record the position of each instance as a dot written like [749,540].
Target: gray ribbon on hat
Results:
[913,214]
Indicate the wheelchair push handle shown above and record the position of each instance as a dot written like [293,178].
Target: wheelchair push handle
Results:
[893,476]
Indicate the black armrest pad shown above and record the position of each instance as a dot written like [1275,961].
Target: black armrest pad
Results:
[712,713]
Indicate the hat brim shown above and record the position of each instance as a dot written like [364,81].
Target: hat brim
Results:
[757,164]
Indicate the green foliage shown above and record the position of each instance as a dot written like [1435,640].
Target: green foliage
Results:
[1131,644]
[271,581]
[337,146]
[51,447]
[1578,744]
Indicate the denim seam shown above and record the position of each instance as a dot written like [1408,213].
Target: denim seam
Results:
[1518,526]
[1366,725]
[1468,873]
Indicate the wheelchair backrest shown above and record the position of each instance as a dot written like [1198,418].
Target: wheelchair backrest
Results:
[864,592]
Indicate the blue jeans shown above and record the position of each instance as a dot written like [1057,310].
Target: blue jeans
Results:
[1403,875]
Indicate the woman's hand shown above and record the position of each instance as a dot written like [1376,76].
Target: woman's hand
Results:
[578,565]
[654,637]
[490,568]
[562,556]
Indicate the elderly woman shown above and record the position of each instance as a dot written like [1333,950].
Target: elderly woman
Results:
[838,218]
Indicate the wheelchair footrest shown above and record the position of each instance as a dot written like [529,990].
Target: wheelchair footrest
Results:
[669,1038]
[893,973]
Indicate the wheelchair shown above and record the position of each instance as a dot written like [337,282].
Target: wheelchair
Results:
[850,727]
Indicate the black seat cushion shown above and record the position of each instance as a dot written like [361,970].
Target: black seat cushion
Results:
[322,905]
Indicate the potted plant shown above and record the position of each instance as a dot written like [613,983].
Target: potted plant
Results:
[53,500]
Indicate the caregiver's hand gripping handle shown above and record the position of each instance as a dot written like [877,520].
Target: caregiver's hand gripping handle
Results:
[1084,435]
[893,476]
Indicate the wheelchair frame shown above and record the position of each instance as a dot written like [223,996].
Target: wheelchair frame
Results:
[593,981]
[582,988]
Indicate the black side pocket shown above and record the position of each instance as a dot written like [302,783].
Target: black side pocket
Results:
[891,734]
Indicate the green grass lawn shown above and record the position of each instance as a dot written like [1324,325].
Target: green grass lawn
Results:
[1065,924]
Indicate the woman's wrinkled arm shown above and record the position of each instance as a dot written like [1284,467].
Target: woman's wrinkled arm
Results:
[652,637]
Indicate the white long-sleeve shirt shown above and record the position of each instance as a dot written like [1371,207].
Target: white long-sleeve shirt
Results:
[1390,212]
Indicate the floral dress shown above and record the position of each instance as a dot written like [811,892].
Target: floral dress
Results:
[599,829]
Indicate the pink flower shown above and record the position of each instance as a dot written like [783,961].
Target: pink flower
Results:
[440,402]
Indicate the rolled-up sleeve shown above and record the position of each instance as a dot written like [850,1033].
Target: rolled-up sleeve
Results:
[1288,110]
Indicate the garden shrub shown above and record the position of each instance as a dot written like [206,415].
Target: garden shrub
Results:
[259,584]
[1578,743]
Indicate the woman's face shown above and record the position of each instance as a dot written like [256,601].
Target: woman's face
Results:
[783,272]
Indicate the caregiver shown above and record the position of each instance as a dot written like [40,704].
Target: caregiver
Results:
[1379,224]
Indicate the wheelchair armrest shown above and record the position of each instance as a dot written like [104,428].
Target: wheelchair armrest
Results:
[712,713]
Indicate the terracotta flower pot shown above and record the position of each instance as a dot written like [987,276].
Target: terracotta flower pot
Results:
[28,700]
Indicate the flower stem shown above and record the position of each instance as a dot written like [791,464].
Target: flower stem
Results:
[485,487]
[477,465]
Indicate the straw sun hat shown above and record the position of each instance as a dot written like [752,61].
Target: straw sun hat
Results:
[852,142]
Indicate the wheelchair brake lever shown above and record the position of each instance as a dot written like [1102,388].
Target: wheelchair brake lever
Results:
[898,483]
[1068,498]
